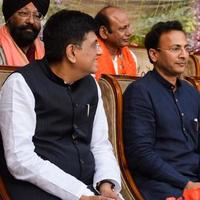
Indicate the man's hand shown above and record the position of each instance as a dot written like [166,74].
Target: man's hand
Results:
[192,185]
[95,198]
[106,190]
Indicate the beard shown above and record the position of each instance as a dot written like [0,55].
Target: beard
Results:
[23,35]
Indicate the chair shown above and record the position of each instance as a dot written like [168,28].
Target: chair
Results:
[5,71]
[112,87]
[195,78]
[193,68]
[144,64]
[197,56]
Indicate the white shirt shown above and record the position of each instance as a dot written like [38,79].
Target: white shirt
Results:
[17,125]
[116,64]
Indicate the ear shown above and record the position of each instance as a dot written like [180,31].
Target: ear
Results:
[70,53]
[153,55]
[103,32]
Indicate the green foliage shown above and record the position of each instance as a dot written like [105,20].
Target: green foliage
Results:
[182,13]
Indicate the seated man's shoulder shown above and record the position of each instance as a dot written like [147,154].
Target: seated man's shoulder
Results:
[89,83]
[143,82]
[141,86]
[189,88]
[90,79]
[187,84]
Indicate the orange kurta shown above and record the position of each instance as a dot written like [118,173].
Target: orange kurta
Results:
[13,54]
[126,62]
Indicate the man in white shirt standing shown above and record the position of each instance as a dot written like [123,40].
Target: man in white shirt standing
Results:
[52,120]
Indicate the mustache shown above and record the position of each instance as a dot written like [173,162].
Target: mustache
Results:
[28,26]
[182,63]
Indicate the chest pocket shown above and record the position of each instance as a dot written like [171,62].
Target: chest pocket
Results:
[83,120]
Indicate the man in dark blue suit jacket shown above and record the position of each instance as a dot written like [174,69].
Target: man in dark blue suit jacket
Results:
[161,119]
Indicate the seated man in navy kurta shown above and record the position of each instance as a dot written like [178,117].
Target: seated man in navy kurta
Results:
[161,119]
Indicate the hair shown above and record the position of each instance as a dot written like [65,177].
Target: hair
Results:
[152,38]
[102,19]
[64,28]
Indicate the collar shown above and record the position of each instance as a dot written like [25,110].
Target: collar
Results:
[45,67]
[166,83]
[51,75]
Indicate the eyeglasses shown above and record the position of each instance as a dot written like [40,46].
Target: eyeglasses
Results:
[177,49]
[95,46]
[37,16]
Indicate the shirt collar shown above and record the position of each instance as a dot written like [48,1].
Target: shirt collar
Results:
[54,77]
[164,82]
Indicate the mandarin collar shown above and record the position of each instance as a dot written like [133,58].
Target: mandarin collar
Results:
[45,67]
[164,82]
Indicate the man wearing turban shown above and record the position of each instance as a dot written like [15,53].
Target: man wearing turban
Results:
[19,41]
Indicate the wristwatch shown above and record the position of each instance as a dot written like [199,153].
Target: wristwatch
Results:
[105,181]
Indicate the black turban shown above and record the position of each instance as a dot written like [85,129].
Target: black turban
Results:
[9,7]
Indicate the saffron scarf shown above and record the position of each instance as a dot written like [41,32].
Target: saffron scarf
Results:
[125,61]
[13,54]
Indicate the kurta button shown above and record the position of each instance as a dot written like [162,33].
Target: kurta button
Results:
[75,126]
[82,162]
[73,137]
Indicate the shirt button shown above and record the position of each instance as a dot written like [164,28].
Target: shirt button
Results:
[184,129]
[73,137]
[176,100]
[182,114]
[75,126]
[82,161]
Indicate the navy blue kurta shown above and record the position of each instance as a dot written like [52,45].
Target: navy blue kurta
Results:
[161,134]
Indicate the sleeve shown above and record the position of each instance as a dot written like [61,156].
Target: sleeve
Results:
[140,136]
[17,124]
[106,166]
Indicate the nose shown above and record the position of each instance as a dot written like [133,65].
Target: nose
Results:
[184,53]
[30,19]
